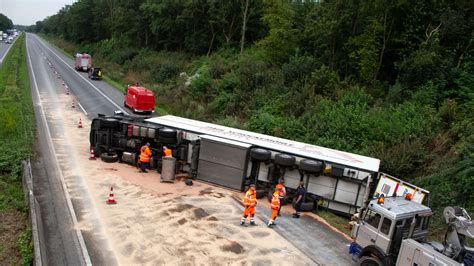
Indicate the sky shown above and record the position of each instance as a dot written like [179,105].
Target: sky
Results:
[27,12]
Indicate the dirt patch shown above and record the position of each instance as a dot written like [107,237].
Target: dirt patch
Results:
[211,192]
[212,219]
[166,194]
[12,223]
[182,221]
[199,213]
[261,234]
[233,247]
[181,207]
[206,191]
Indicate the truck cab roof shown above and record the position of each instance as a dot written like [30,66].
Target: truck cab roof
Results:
[141,90]
[398,208]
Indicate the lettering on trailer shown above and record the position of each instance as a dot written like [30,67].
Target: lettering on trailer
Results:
[307,148]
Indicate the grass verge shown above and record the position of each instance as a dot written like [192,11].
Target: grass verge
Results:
[17,134]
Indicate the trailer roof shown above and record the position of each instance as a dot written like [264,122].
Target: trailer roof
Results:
[270,142]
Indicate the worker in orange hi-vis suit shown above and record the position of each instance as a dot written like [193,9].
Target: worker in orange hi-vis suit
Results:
[167,152]
[250,201]
[275,205]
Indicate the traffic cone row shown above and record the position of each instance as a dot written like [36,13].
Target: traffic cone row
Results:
[111,199]
[92,156]
[79,125]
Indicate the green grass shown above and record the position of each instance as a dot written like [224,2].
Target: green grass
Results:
[17,128]
[338,222]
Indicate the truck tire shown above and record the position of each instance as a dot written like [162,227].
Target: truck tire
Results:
[109,158]
[284,160]
[305,206]
[260,154]
[311,166]
[370,261]
[260,193]
[167,133]
[109,123]
[165,140]
[97,151]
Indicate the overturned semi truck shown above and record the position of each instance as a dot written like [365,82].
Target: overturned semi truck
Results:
[336,180]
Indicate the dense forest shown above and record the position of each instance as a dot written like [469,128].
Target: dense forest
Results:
[5,23]
[388,79]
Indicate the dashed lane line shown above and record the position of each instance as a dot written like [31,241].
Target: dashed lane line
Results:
[83,248]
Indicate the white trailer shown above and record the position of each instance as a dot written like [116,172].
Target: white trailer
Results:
[223,155]
[1,35]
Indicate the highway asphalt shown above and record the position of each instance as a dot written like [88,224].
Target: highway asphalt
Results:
[4,48]
[51,68]
[62,208]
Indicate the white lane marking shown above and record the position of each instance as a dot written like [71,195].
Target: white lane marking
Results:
[82,244]
[82,108]
[97,89]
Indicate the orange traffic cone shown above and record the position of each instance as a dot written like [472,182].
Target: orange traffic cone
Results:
[80,123]
[92,156]
[111,199]
[67,91]
[73,104]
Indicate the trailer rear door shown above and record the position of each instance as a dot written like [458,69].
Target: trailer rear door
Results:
[222,161]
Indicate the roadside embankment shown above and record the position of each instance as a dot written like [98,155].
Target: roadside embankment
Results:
[17,136]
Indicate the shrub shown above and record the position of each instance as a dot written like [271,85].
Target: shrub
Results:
[167,71]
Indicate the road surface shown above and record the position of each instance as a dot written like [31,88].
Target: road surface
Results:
[61,205]
[51,74]
[4,48]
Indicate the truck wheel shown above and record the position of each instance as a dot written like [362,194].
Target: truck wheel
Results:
[97,151]
[109,158]
[167,133]
[260,154]
[166,140]
[311,166]
[260,193]
[370,261]
[284,160]
[109,123]
[305,206]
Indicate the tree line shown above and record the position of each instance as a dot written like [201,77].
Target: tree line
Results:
[392,79]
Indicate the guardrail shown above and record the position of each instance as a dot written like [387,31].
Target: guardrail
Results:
[34,216]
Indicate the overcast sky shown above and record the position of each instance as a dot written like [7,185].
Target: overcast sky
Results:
[27,12]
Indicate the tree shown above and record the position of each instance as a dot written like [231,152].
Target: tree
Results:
[5,23]
[281,41]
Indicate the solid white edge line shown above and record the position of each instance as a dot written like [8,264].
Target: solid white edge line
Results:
[8,49]
[82,244]
[97,89]
[82,108]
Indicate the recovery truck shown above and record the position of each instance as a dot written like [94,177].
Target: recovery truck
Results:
[83,62]
[392,230]
[336,180]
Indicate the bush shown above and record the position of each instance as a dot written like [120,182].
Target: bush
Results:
[167,71]
[297,68]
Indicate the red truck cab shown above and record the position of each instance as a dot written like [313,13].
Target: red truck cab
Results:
[139,99]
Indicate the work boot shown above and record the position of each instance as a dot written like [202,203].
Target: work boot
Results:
[296,215]
[253,223]
[242,223]
[269,224]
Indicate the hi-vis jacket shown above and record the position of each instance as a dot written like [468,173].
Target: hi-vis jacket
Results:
[275,201]
[250,199]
